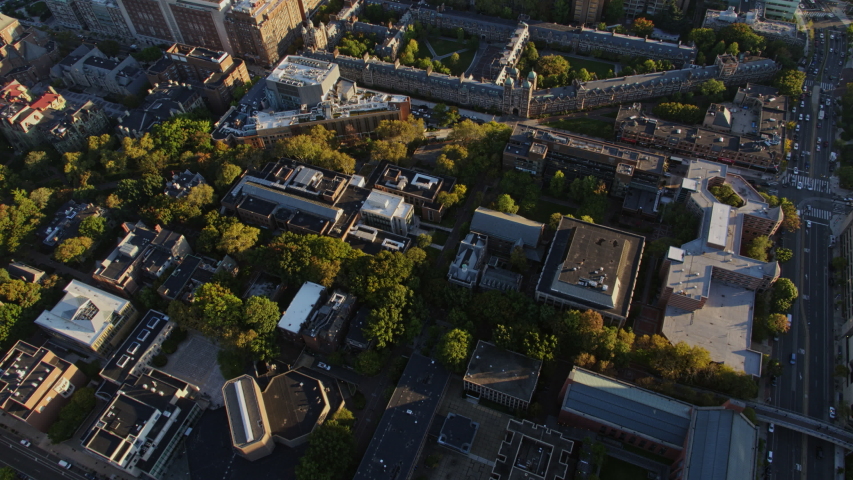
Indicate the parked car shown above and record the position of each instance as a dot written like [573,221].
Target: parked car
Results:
[832,412]
[64,464]
[796,171]
[771,428]
[25,442]
[808,224]
[324,366]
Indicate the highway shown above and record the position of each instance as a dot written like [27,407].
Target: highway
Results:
[807,385]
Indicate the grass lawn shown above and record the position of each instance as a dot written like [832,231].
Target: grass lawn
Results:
[465,59]
[611,114]
[586,126]
[600,68]
[615,469]
[444,47]
[544,209]
[439,237]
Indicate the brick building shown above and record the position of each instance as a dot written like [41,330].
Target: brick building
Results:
[262,30]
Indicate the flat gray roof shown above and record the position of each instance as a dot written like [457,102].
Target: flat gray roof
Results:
[504,371]
[628,407]
[723,446]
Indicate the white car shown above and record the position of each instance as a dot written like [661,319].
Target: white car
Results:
[796,171]
[770,456]
[324,366]
[25,442]
[832,412]
[808,224]
[808,118]
[794,110]
[798,126]
[817,148]
[796,146]
[799,185]
[771,428]
[801,117]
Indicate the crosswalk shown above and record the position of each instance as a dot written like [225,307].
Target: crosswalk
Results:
[819,214]
[815,184]
[826,86]
[808,83]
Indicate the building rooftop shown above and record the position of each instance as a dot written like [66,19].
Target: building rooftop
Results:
[395,446]
[295,403]
[723,445]
[22,271]
[386,205]
[372,240]
[83,313]
[529,451]
[458,432]
[300,71]
[504,371]
[355,335]
[506,226]
[627,407]
[303,304]
[405,181]
[125,360]
[182,183]
[245,411]
[26,374]
[592,266]
[177,50]
[469,260]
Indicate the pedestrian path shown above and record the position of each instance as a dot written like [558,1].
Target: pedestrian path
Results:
[827,86]
[819,213]
[816,184]
[808,83]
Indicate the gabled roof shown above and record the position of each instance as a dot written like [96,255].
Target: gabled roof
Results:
[83,314]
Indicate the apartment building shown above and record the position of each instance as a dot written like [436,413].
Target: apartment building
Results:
[770,29]
[325,329]
[191,22]
[781,9]
[87,66]
[587,11]
[26,53]
[35,384]
[66,13]
[69,130]
[143,255]
[132,358]
[262,30]
[162,103]
[103,16]
[709,286]
[89,319]
[215,74]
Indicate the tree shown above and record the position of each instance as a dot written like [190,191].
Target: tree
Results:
[331,449]
[72,415]
[614,12]
[453,60]
[562,9]
[368,363]
[37,163]
[557,184]
[554,221]
[93,227]
[8,473]
[791,221]
[712,87]
[262,314]
[518,259]
[704,38]
[790,82]
[149,54]
[72,249]
[783,296]
[679,112]
[719,48]
[424,240]
[226,174]
[733,49]
[777,323]
[445,115]
[744,36]
[553,70]
[19,292]
[454,348]
[784,254]
[758,247]
[845,176]
[504,203]
[582,75]
[392,152]
[9,315]
[642,27]
[110,48]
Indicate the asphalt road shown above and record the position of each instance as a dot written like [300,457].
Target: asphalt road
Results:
[33,461]
[806,386]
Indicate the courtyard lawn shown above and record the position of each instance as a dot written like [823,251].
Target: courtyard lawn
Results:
[585,126]
[599,68]
[439,237]
[444,47]
[543,210]
[615,469]
[465,59]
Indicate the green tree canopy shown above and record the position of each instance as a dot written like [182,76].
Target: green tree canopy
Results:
[72,249]
[504,203]
[454,348]
[790,82]
[642,27]
[93,227]
[758,248]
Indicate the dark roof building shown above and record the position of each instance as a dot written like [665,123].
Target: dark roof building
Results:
[355,337]
[193,272]
[401,432]
[131,359]
[505,377]
[67,220]
[286,411]
[183,182]
[419,189]
[458,432]
[591,267]
[469,262]
[165,101]
[372,240]
[324,331]
[141,429]
[506,230]
[143,254]
[703,442]
[530,450]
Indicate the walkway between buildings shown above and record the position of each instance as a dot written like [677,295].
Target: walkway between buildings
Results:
[800,423]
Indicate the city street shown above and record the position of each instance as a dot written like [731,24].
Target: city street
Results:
[806,352]
[33,461]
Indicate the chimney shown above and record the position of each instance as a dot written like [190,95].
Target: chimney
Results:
[158,228]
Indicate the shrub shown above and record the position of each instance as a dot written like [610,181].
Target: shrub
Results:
[160,360]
